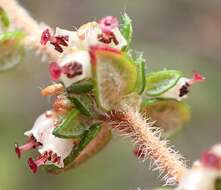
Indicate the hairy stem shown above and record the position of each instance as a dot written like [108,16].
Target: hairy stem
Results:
[23,21]
[147,138]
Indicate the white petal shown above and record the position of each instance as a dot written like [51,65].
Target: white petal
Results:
[199,179]
[91,38]
[81,57]
[40,127]
[62,147]
[175,91]
[73,42]
[122,41]
[216,149]
[42,131]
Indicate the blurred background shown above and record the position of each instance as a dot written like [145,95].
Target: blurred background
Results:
[174,34]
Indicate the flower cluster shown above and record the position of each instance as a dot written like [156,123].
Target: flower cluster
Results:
[52,149]
[73,66]
[97,74]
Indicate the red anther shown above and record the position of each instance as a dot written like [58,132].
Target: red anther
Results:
[35,164]
[72,69]
[32,165]
[107,38]
[45,37]
[29,145]
[61,40]
[54,158]
[50,155]
[56,41]
[17,150]
[209,159]
[108,23]
[58,160]
[55,71]
[57,47]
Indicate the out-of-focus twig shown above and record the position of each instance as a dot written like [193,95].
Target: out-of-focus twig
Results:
[23,21]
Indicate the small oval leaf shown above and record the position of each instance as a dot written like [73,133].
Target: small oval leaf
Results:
[85,139]
[81,87]
[159,82]
[12,52]
[141,80]
[115,75]
[126,28]
[71,127]
[170,115]
[4,18]
[83,103]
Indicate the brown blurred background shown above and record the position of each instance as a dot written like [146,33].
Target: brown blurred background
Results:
[174,34]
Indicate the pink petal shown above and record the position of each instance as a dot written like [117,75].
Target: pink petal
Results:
[55,71]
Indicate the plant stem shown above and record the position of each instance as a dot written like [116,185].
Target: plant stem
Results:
[131,123]
[22,20]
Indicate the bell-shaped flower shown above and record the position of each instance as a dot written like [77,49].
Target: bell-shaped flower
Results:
[53,150]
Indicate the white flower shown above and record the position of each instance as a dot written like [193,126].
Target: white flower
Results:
[199,178]
[75,67]
[179,91]
[53,150]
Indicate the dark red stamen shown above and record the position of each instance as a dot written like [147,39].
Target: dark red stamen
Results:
[55,158]
[107,38]
[56,41]
[208,159]
[42,159]
[184,90]
[29,145]
[34,164]
[72,69]
[55,71]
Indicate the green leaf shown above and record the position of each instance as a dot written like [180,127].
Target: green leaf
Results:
[218,184]
[71,127]
[170,115]
[85,139]
[15,37]
[81,87]
[4,18]
[89,135]
[126,28]
[12,51]
[115,76]
[141,80]
[83,103]
[159,82]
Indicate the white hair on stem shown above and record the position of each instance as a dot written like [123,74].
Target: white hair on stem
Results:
[146,137]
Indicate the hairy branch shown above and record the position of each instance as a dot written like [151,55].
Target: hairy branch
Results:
[22,20]
[147,138]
